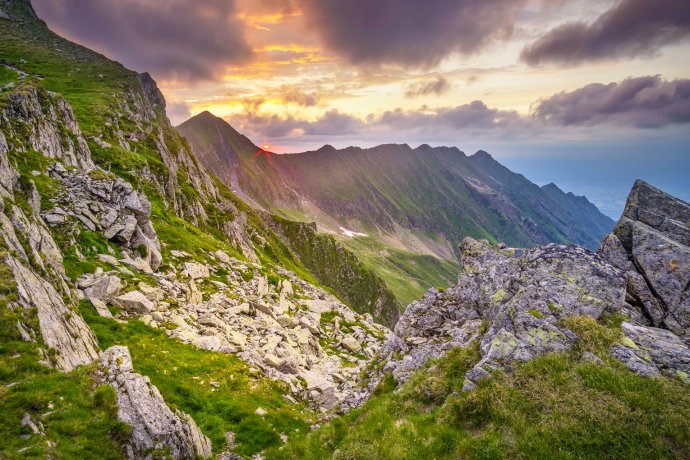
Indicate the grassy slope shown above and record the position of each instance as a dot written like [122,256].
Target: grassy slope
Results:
[184,375]
[557,406]
[85,426]
[407,274]
[79,417]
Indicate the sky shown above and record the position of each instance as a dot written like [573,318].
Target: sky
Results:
[588,94]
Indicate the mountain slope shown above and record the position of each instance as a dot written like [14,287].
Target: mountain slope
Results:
[419,201]
[144,308]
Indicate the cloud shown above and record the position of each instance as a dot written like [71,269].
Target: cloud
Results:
[409,33]
[642,102]
[299,97]
[631,28]
[172,39]
[177,112]
[331,123]
[475,115]
[595,110]
[437,86]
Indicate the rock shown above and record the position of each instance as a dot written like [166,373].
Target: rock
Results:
[134,301]
[108,259]
[62,329]
[654,236]
[222,256]
[141,405]
[521,299]
[196,270]
[273,360]
[103,287]
[351,344]
[260,411]
[238,237]
[101,308]
[651,351]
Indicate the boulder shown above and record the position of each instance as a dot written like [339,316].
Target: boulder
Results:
[652,242]
[196,270]
[134,301]
[154,425]
[351,344]
[101,287]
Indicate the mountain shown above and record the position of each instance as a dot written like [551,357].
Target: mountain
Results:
[421,200]
[145,310]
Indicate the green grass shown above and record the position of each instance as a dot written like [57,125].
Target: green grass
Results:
[183,375]
[79,416]
[556,406]
[408,275]
[7,76]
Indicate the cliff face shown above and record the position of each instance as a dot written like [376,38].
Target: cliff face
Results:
[520,306]
[651,243]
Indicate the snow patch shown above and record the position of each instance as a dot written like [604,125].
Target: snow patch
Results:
[351,233]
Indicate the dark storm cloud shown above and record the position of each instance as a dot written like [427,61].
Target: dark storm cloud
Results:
[172,39]
[631,28]
[437,86]
[410,33]
[643,102]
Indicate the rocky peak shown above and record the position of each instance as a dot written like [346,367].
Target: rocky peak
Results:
[651,243]
[151,91]
[17,10]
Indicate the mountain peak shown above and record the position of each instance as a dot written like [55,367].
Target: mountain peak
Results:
[327,148]
[17,10]
[481,154]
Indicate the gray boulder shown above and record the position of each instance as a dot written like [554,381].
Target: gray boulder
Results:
[650,351]
[651,242]
[154,425]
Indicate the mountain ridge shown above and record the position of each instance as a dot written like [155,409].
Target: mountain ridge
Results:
[421,201]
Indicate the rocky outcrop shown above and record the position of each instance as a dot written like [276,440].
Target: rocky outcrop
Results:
[154,425]
[40,120]
[512,305]
[108,204]
[516,306]
[651,242]
[69,340]
[236,232]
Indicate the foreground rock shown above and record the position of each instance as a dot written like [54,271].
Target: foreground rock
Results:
[516,306]
[651,242]
[521,300]
[154,425]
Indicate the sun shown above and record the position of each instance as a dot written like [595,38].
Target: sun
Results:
[266,146]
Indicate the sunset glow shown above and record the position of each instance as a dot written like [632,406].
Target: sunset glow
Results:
[506,76]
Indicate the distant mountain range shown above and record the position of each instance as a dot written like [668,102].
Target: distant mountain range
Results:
[413,201]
